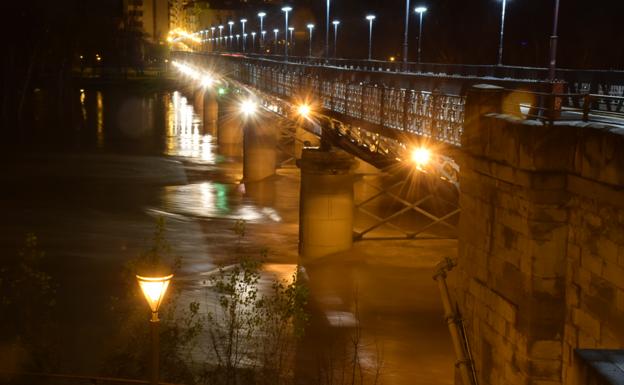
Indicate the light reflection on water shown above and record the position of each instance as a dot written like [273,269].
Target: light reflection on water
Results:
[184,132]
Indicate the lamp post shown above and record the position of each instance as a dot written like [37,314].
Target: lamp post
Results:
[243,21]
[212,33]
[335,23]
[231,24]
[405,33]
[261,15]
[253,41]
[275,31]
[310,27]
[370,19]
[421,11]
[327,30]
[286,10]
[262,33]
[220,34]
[502,32]
[291,30]
[552,63]
[154,289]
[238,41]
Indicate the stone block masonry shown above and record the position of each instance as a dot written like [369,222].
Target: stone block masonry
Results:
[541,243]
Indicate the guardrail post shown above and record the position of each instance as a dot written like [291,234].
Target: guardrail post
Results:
[436,106]
[586,106]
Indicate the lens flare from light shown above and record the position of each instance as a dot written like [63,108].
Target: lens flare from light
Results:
[207,81]
[304,110]
[421,156]
[248,107]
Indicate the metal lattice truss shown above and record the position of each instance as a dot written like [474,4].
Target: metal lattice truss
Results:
[387,208]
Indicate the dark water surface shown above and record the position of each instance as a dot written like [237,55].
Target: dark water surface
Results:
[91,188]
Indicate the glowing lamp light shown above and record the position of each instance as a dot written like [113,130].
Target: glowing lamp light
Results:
[207,81]
[420,9]
[304,110]
[248,107]
[221,91]
[421,156]
[154,289]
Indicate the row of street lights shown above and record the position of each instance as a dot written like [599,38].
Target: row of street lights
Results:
[420,10]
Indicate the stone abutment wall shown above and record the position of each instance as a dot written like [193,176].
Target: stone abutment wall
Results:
[541,243]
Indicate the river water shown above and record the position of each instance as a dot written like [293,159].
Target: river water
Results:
[92,188]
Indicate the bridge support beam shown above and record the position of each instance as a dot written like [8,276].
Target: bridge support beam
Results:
[326,202]
[259,148]
[210,111]
[304,138]
[229,126]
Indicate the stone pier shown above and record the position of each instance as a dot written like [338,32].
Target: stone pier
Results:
[210,111]
[541,243]
[326,202]
[259,147]
[229,126]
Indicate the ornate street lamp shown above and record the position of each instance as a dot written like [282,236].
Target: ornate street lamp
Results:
[154,289]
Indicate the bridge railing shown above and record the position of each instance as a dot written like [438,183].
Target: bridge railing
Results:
[551,107]
[432,115]
[594,79]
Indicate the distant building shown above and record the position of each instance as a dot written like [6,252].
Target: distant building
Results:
[151,17]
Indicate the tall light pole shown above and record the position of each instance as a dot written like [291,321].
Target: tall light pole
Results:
[262,33]
[275,31]
[420,11]
[238,41]
[291,30]
[370,19]
[261,15]
[231,24]
[310,27]
[221,35]
[336,23]
[405,32]
[502,33]
[212,33]
[327,30]
[253,41]
[154,289]
[243,21]
[286,10]
[552,63]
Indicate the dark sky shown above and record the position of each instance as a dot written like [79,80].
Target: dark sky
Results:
[591,33]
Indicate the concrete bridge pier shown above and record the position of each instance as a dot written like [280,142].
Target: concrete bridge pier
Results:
[210,112]
[259,147]
[229,126]
[326,202]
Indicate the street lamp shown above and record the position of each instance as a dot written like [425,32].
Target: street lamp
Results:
[253,41]
[263,33]
[220,34]
[327,30]
[244,41]
[261,15]
[335,23]
[275,31]
[231,24]
[370,19]
[405,34]
[237,41]
[243,21]
[552,63]
[502,32]
[292,31]
[420,11]
[212,35]
[286,10]
[154,289]
[310,27]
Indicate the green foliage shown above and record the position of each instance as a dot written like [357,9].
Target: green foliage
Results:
[27,302]
[252,335]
